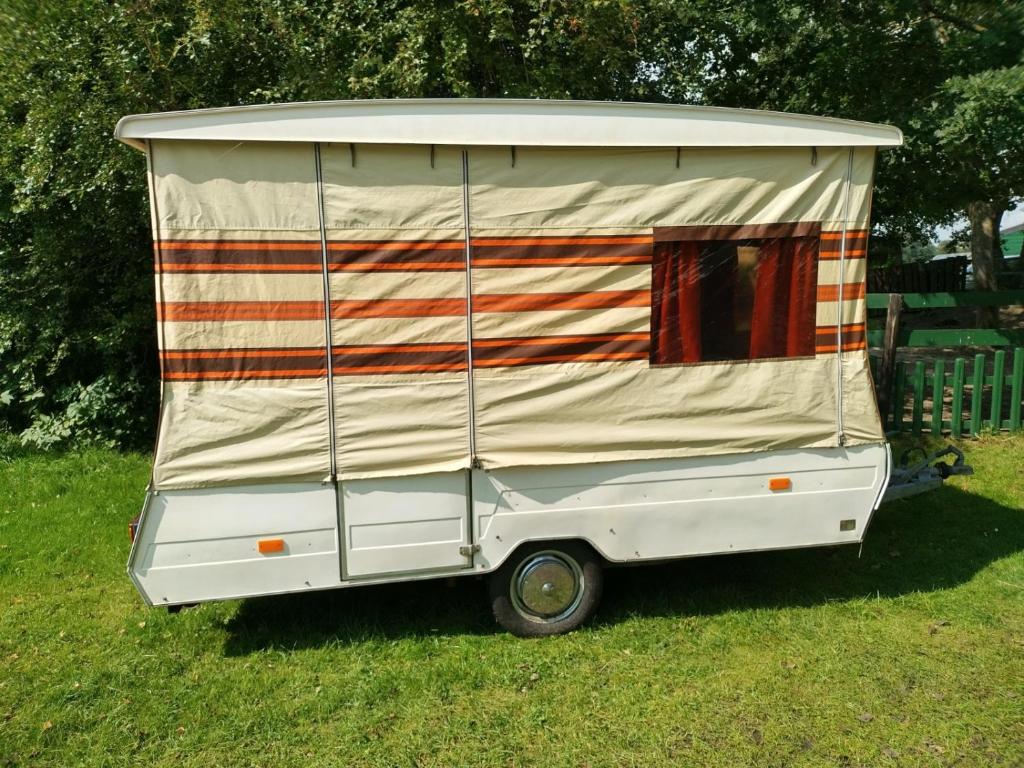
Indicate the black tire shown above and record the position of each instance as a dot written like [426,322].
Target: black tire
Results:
[562,583]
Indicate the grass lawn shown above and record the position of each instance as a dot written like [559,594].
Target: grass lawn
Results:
[910,654]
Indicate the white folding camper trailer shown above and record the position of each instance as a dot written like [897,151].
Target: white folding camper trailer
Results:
[420,338]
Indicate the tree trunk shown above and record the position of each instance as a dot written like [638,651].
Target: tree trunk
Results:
[985,217]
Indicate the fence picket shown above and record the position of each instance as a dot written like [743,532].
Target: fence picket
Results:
[918,404]
[998,376]
[938,394]
[899,395]
[1015,387]
[957,425]
[977,388]
[896,380]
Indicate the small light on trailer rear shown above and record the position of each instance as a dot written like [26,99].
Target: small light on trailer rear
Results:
[780,484]
[270,546]
[133,528]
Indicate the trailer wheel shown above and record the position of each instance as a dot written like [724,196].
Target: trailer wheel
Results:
[546,589]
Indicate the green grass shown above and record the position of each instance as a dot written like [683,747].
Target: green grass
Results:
[911,654]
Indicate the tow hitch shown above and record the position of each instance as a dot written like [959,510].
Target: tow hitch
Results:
[927,475]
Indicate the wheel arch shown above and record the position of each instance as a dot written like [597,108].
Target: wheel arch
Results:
[493,566]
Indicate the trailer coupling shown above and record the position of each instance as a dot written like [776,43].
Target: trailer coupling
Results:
[927,475]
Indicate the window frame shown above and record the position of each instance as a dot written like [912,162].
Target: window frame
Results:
[738,234]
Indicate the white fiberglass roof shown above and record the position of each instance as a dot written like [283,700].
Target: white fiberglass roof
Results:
[500,122]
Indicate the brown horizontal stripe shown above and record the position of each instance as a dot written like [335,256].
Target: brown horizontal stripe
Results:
[853,253]
[737,231]
[397,255]
[556,251]
[832,245]
[227,311]
[854,338]
[852,346]
[851,291]
[227,364]
[492,353]
[545,302]
[238,256]
[399,358]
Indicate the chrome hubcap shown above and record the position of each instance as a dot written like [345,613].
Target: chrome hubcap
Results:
[547,587]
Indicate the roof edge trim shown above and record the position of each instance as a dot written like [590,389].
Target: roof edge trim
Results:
[502,122]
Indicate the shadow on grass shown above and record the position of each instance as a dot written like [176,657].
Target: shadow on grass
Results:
[936,541]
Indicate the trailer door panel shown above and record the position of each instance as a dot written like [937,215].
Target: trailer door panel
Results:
[396,251]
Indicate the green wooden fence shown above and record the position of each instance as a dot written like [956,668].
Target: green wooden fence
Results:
[960,395]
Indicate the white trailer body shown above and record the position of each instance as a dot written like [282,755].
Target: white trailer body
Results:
[411,339]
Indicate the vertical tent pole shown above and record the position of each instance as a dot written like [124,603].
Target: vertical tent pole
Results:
[327,308]
[469,309]
[841,432]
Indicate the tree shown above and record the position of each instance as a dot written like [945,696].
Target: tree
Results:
[980,135]
[77,341]
[947,72]
[77,345]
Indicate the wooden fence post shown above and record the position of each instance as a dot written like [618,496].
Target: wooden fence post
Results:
[887,367]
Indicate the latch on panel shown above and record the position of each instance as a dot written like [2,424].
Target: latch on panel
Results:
[468,550]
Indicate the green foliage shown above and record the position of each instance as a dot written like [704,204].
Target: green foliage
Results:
[919,250]
[981,134]
[77,343]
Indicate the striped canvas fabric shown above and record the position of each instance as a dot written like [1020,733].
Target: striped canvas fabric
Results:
[549,314]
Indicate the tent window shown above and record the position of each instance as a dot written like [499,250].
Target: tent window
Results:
[741,299]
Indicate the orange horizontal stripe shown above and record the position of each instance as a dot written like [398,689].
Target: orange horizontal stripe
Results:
[397,308]
[823,329]
[226,311]
[221,375]
[165,267]
[378,348]
[397,245]
[412,266]
[426,368]
[582,357]
[850,233]
[543,340]
[485,261]
[596,240]
[851,291]
[220,354]
[541,302]
[238,245]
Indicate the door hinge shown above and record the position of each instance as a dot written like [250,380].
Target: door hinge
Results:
[468,550]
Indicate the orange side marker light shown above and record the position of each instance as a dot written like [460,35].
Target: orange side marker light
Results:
[780,484]
[270,546]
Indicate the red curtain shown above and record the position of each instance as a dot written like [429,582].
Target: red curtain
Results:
[803,298]
[675,297]
[783,319]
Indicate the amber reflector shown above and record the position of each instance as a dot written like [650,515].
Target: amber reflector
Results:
[779,484]
[269,546]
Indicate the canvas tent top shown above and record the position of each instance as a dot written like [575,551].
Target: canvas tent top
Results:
[515,122]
